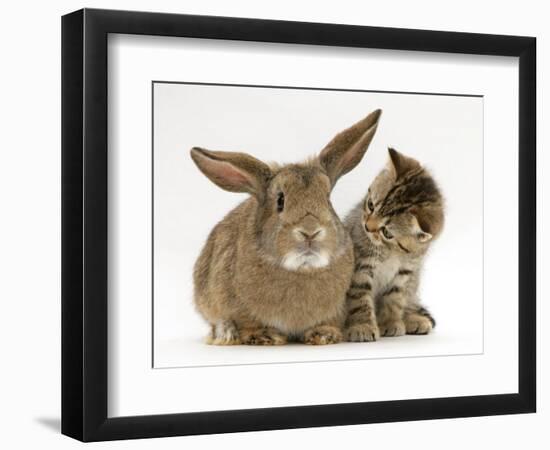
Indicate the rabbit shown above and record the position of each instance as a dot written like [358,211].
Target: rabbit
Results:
[277,267]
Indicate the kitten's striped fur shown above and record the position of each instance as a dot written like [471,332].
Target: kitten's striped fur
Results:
[392,228]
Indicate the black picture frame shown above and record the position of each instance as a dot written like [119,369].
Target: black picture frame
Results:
[84,224]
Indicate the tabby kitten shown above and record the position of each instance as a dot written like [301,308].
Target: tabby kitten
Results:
[392,229]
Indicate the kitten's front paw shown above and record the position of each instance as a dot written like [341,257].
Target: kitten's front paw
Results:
[262,336]
[417,324]
[323,335]
[363,332]
[392,328]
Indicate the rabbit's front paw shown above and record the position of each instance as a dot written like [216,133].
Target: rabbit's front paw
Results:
[223,333]
[362,332]
[323,335]
[392,328]
[262,336]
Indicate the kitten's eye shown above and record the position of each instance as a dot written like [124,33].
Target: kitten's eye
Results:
[386,233]
[370,205]
[280,201]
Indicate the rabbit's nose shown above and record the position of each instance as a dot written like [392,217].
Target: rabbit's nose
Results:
[310,236]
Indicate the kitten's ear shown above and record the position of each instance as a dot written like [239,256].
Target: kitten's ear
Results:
[430,222]
[348,147]
[235,172]
[423,237]
[401,164]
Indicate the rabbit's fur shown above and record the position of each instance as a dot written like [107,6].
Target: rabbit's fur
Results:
[278,265]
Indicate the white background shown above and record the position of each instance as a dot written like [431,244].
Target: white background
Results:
[30,180]
[136,389]
[445,133]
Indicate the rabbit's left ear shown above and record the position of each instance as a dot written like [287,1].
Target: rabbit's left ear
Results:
[348,147]
[235,172]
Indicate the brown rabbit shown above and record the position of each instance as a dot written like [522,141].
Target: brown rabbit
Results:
[278,265]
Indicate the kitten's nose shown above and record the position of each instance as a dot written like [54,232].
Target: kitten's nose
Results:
[372,224]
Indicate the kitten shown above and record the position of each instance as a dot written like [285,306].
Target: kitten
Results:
[392,228]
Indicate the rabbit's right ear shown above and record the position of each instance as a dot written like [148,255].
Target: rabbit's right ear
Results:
[235,172]
[348,147]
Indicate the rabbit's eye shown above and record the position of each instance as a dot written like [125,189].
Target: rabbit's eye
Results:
[370,205]
[386,233]
[280,201]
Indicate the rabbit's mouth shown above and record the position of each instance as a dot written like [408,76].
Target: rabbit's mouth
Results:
[306,259]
